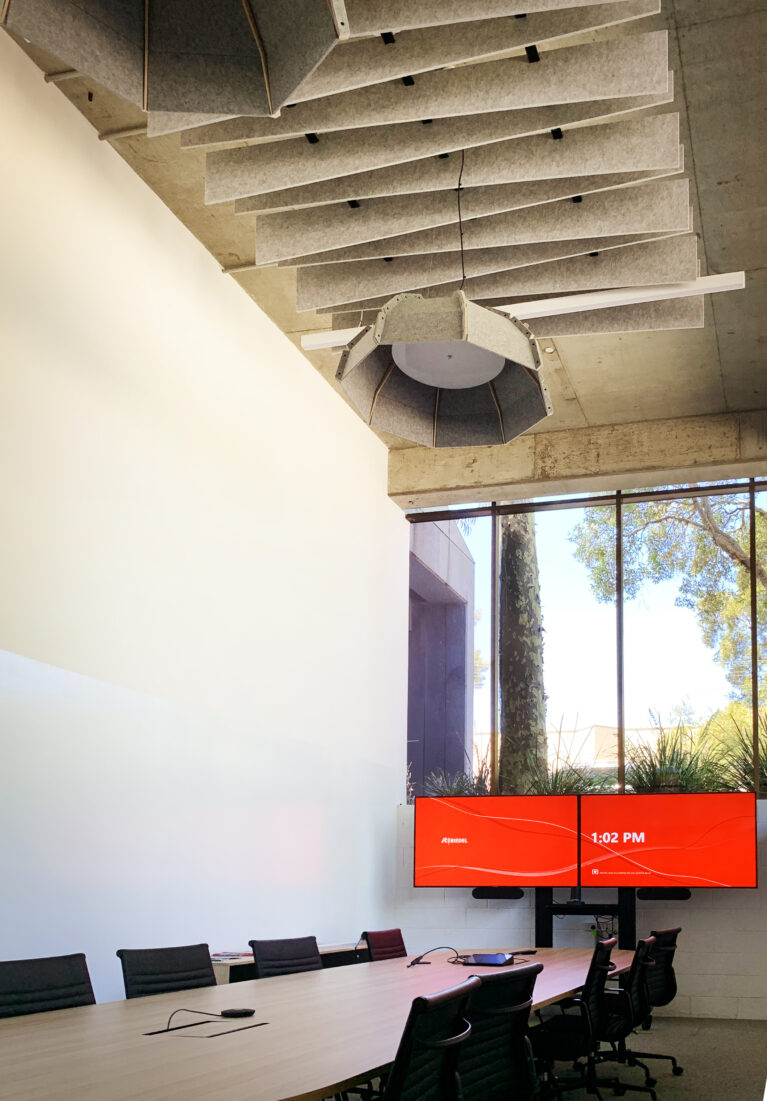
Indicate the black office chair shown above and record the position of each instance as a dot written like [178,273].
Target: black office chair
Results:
[425,1066]
[661,989]
[163,970]
[627,1007]
[496,1062]
[285,957]
[571,1036]
[385,944]
[52,982]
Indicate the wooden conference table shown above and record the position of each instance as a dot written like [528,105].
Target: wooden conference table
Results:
[325,1030]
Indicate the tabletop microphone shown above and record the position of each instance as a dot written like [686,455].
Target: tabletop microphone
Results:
[210,1013]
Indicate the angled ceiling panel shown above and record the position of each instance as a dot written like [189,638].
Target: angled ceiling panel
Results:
[362,62]
[367,61]
[170,122]
[297,233]
[657,206]
[481,288]
[204,57]
[664,260]
[330,287]
[517,196]
[670,260]
[630,145]
[426,242]
[296,36]
[678,313]
[368,17]
[632,66]
[251,170]
[99,38]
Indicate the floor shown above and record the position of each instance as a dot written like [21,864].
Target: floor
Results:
[722,1060]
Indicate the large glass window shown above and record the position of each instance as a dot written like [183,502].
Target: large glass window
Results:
[557,654]
[760,689]
[449,657]
[631,641]
[687,638]
[478,535]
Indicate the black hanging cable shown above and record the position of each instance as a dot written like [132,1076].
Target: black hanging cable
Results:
[420,959]
[460,219]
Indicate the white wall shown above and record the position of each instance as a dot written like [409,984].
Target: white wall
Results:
[203,585]
[720,964]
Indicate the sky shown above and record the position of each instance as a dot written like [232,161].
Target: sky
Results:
[667,666]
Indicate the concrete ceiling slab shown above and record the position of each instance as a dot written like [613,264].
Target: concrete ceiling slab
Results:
[716,51]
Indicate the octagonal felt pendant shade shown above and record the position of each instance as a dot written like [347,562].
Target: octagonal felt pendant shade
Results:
[445,372]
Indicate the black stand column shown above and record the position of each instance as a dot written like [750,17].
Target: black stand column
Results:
[627,918]
[544,924]
[545,908]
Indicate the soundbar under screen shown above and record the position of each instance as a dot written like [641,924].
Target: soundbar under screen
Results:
[496,841]
[668,840]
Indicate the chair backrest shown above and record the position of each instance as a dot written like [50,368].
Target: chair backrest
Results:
[593,992]
[661,980]
[163,970]
[385,944]
[285,957]
[635,984]
[424,1068]
[35,986]
[495,1062]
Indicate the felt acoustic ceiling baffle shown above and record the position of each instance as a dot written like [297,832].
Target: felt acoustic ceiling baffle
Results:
[159,123]
[366,16]
[632,144]
[657,261]
[365,61]
[506,229]
[678,313]
[620,67]
[203,57]
[486,220]
[200,57]
[101,39]
[499,85]
[489,389]
[515,197]
[251,170]
[368,61]
[667,260]
[330,287]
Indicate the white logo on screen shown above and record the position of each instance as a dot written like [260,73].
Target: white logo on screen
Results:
[454,841]
[595,871]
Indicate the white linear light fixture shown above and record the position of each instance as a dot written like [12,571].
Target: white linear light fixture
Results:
[571,303]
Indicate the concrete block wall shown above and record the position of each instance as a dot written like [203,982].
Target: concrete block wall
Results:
[721,962]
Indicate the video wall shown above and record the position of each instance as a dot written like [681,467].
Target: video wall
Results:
[700,840]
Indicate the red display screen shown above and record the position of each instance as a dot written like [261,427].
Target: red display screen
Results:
[668,840]
[496,841]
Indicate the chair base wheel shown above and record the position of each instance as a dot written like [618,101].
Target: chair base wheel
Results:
[651,1081]
[677,1071]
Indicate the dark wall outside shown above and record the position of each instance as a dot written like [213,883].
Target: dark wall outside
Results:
[436,689]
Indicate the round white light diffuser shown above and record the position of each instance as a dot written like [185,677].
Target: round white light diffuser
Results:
[448,364]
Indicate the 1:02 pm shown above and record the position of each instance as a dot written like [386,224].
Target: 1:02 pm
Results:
[629,837]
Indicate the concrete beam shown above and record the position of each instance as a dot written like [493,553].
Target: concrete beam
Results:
[584,460]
